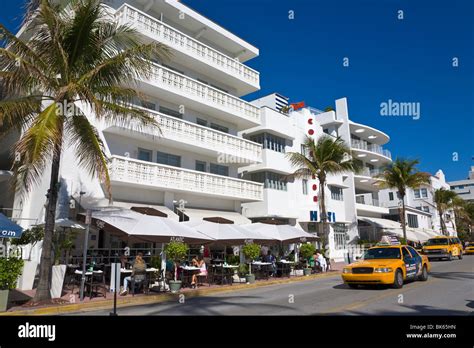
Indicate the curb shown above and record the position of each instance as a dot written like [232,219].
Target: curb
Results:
[159,298]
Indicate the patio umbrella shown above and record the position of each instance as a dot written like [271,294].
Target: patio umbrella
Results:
[148,227]
[9,229]
[229,234]
[66,223]
[282,233]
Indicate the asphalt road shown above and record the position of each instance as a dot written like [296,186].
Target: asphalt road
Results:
[448,291]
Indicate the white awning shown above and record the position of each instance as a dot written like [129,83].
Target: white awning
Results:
[128,205]
[201,214]
[149,228]
[382,223]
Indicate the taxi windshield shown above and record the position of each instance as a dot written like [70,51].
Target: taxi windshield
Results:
[437,241]
[382,253]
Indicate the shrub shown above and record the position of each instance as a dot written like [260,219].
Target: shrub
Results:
[30,236]
[10,270]
[176,251]
[251,251]
[307,250]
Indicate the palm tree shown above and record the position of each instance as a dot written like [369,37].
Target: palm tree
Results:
[75,58]
[443,199]
[327,156]
[401,175]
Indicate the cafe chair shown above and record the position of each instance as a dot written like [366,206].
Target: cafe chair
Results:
[97,284]
[139,281]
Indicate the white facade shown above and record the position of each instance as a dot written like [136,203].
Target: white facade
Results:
[195,97]
[464,188]
[348,196]
[420,204]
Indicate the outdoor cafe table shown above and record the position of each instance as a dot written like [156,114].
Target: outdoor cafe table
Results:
[225,272]
[283,268]
[263,270]
[187,274]
[126,272]
[88,276]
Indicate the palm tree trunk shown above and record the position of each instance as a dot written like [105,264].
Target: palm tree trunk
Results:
[441,221]
[43,290]
[322,206]
[404,225]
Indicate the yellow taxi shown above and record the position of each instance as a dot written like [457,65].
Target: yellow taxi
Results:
[443,247]
[469,250]
[387,264]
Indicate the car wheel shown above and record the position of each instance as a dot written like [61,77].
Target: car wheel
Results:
[398,279]
[424,274]
[353,286]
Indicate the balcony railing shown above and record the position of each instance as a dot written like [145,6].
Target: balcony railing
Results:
[363,145]
[208,95]
[370,172]
[182,42]
[191,133]
[368,201]
[162,176]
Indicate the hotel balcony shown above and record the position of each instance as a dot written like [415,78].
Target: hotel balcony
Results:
[367,204]
[190,52]
[273,161]
[367,179]
[188,136]
[372,153]
[148,175]
[183,90]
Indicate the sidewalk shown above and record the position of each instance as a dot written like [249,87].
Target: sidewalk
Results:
[70,302]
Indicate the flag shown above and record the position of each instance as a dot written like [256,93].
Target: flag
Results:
[297,106]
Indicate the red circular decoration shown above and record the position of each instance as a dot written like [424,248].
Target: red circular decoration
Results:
[315,198]
[310,120]
[311,132]
[315,187]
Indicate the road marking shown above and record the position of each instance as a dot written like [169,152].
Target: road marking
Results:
[363,303]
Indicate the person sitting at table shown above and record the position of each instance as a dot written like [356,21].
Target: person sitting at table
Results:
[271,258]
[138,273]
[322,262]
[202,270]
[123,261]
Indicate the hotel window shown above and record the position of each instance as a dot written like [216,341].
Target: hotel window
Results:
[340,236]
[305,186]
[144,155]
[219,128]
[148,105]
[419,208]
[168,159]
[270,142]
[219,170]
[303,150]
[170,112]
[270,180]
[390,196]
[201,122]
[412,220]
[424,193]
[426,209]
[417,193]
[336,193]
[200,166]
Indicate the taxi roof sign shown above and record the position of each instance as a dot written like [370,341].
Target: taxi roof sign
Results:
[389,240]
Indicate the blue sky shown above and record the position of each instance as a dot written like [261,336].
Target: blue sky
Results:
[407,60]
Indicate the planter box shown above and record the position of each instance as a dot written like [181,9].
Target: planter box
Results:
[175,286]
[57,280]
[3,300]
[27,278]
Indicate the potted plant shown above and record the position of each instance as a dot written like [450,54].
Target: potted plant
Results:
[31,236]
[307,251]
[62,243]
[10,270]
[251,252]
[176,251]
